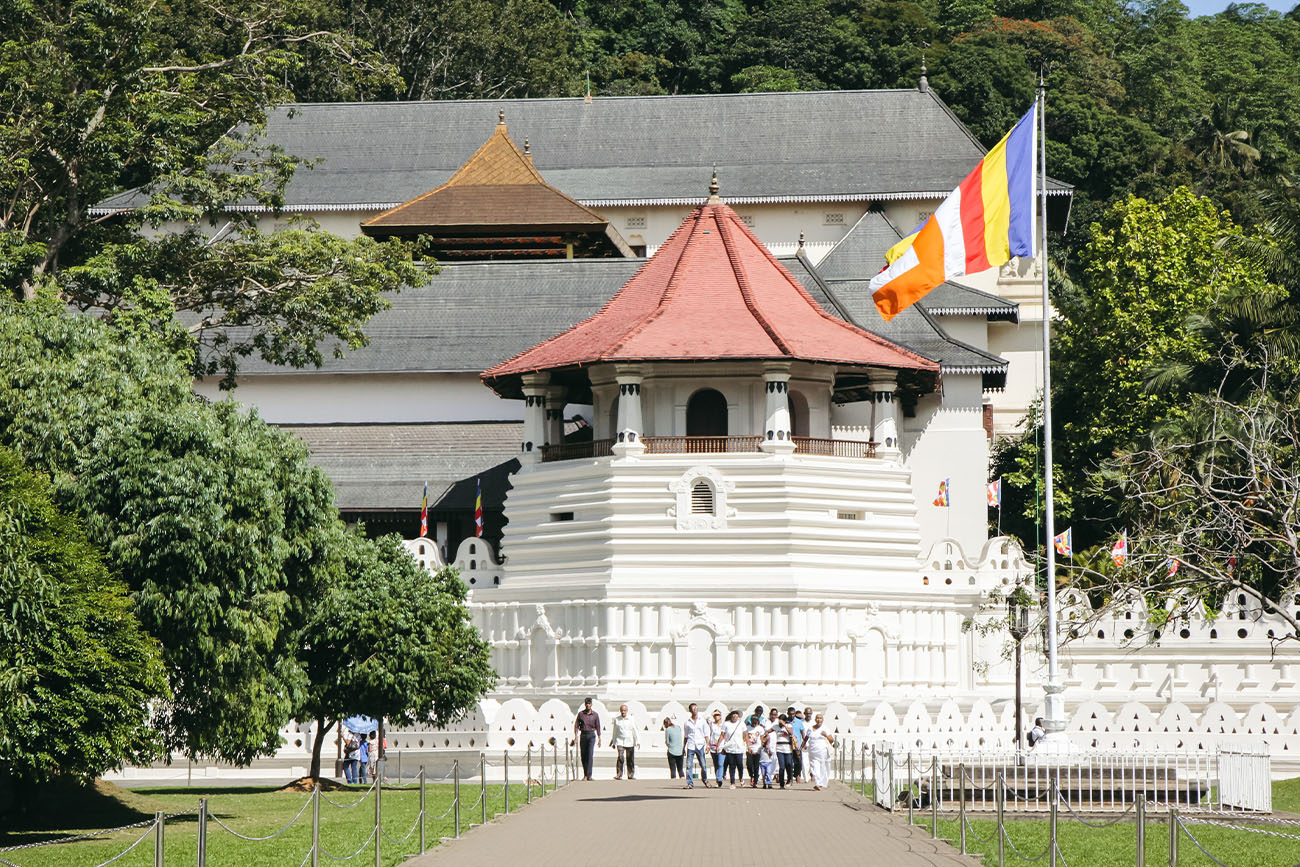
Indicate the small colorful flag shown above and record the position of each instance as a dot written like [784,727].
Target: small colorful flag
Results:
[424,512]
[1119,551]
[1232,565]
[1064,543]
[1173,567]
[942,499]
[995,494]
[478,507]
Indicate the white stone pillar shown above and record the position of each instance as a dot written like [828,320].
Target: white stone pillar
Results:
[554,434]
[627,436]
[885,414]
[535,387]
[776,428]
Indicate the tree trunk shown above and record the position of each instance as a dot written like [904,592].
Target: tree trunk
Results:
[316,746]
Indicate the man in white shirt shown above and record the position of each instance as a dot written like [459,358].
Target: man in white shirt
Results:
[696,735]
[623,739]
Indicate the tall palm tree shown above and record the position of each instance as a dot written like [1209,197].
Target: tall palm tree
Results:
[1217,145]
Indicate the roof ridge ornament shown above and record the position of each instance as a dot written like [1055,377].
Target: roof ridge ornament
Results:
[801,239]
[714,199]
[501,117]
[924,84]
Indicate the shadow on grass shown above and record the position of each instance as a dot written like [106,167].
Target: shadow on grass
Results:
[63,807]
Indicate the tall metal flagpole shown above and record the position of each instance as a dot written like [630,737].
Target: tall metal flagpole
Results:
[1054,719]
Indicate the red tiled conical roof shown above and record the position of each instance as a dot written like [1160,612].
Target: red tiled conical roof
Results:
[712,292]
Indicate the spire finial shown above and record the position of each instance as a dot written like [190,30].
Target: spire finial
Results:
[800,240]
[501,117]
[713,188]
[924,84]
[527,148]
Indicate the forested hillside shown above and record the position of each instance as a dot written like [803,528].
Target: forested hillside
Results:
[1142,98]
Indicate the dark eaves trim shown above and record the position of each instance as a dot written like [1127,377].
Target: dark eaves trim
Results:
[994,314]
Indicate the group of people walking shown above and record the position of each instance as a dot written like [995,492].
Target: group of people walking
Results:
[361,757]
[772,748]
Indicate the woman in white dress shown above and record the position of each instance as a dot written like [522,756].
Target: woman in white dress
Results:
[818,744]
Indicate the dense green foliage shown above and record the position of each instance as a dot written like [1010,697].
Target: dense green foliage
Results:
[215,519]
[101,97]
[76,670]
[387,639]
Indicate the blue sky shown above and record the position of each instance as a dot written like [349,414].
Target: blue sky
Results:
[1210,7]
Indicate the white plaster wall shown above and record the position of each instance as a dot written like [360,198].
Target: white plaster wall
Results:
[313,398]
[946,439]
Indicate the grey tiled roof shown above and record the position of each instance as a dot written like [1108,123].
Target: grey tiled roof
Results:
[841,145]
[472,316]
[860,254]
[385,466]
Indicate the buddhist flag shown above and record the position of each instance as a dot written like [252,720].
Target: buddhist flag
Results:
[983,223]
[1172,567]
[942,499]
[994,491]
[478,507]
[424,512]
[1119,551]
[1064,543]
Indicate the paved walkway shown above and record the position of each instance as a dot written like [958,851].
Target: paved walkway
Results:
[655,822]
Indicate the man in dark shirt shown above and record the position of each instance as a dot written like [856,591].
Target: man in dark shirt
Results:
[586,731]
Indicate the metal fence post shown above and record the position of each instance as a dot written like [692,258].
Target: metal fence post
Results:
[1173,837]
[482,784]
[379,791]
[399,766]
[909,787]
[934,798]
[1141,809]
[315,826]
[159,821]
[1000,799]
[455,788]
[202,844]
[555,765]
[1054,793]
[961,810]
[528,776]
[505,771]
[423,812]
[568,763]
[890,798]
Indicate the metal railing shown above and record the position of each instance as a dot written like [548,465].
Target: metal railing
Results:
[833,448]
[536,777]
[700,445]
[1095,782]
[574,451]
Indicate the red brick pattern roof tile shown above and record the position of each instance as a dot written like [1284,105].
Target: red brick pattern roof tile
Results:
[712,292]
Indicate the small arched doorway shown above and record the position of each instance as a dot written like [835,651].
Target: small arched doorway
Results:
[706,414]
[798,405]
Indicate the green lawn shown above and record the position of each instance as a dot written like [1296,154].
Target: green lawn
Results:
[1116,846]
[251,811]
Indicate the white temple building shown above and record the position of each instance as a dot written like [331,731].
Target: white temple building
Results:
[711,475]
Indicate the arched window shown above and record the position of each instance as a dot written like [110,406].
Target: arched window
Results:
[701,498]
[798,414]
[706,414]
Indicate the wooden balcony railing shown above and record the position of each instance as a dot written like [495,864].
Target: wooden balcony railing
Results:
[699,445]
[573,451]
[710,446]
[833,448]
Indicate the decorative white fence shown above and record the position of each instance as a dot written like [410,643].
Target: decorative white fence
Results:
[1089,781]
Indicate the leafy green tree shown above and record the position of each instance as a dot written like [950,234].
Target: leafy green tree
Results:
[76,669]
[1148,275]
[387,639]
[103,96]
[216,520]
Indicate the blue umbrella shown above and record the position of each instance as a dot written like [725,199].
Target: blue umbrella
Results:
[361,725]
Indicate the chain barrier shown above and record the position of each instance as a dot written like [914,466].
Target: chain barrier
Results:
[364,846]
[326,798]
[1066,801]
[1200,821]
[398,840]
[145,836]
[1197,843]
[1022,856]
[292,822]
[970,829]
[87,836]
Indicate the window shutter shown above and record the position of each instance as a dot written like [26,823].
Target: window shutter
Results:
[701,499]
